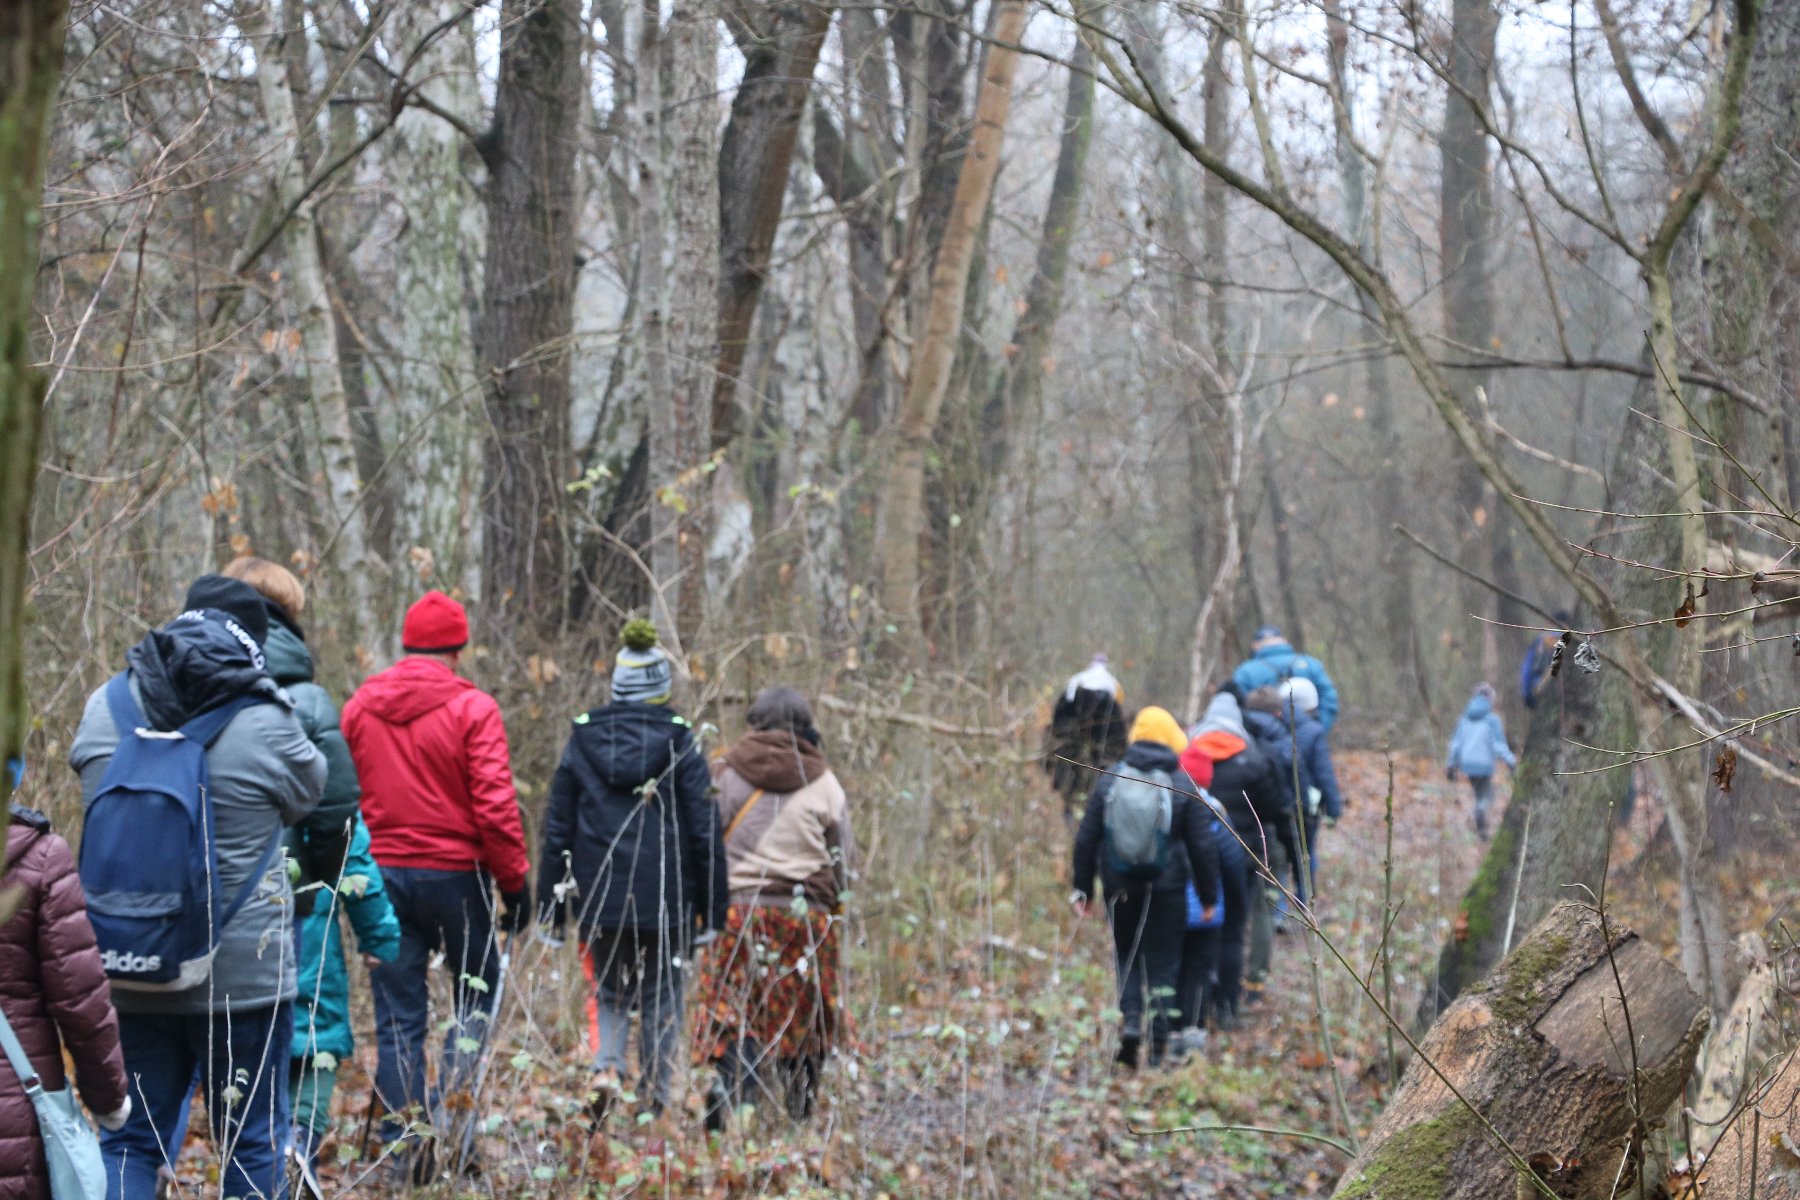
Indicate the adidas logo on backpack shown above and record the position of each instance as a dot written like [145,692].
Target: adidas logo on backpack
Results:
[148,858]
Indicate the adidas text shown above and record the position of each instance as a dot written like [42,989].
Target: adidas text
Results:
[129,964]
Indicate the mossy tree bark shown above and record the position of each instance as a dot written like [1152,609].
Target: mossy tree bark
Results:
[1582,1035]
[31,55]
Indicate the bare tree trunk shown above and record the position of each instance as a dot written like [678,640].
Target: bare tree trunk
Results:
[694,150]
[1579,1040]
[31,58]
[1465,231]
[436,392]
[781,43]
[528,312]
[903,494]
[347,542]
[1399,614]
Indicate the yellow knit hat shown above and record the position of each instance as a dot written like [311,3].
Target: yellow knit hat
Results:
[1155,724]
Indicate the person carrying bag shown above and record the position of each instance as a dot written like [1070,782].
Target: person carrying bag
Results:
[53,995]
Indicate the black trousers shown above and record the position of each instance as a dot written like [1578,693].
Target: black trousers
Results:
[1212,960]
[1147,930]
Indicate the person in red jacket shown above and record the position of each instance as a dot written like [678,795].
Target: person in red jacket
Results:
[443,820]
[55,997]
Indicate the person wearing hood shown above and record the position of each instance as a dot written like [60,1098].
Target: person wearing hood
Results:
[264,774]
[1148,911]
[631,838]
[444,826]
[54,997]
[1272,660]
[769,985]
[1284,722]
[1262,821]
[1479,741]
[319,844]
[332,868]
[1087,729]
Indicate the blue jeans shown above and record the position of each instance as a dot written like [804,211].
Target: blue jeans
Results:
[240,1058]
[451,911]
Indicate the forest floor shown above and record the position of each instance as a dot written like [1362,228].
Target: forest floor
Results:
[985,1029]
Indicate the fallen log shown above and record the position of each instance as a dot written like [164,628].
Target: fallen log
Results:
[1543,1055]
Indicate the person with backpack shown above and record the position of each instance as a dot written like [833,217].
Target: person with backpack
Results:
[1283,721]
[1479,740]
[444,827]
[631,836]
[333,871]
[318,845]
[1261,822]
[53,998]
[204,984]
[769,986]
[1146,833]
[1272,660]
[1087,729]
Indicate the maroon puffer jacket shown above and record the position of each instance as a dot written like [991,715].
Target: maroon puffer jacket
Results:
[51,984]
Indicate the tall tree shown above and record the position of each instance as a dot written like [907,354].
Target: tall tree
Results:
[440,248]
[31,59]
[528,311]
[1465,237]
[780,43]
[346,535]
[903,491]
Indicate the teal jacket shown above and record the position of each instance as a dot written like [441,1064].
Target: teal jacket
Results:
[319,843]
[322,1010]
[1280,661]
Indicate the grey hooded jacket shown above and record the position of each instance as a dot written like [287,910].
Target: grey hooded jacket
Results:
[265,774]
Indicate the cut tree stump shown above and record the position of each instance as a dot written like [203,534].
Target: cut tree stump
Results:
[1541,1050]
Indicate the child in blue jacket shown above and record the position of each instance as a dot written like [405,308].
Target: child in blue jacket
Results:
[1479,741]
[322,1036]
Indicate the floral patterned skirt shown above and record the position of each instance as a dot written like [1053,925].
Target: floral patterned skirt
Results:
[772,978]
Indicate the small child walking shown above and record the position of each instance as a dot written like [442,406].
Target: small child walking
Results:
[1479,740]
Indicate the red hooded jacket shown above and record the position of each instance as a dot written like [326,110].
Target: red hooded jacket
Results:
[431,755]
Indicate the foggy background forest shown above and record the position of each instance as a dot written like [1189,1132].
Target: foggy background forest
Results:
[912,353]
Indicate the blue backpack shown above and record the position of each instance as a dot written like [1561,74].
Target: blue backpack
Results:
[148,862]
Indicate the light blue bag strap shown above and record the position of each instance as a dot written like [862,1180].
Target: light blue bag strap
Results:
[15,1054]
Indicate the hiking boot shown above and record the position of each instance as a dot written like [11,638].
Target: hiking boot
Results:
[1193,1040]
[1127,1056]
[603,1092]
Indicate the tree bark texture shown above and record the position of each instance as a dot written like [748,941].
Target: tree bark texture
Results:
[1465,232]
[1584,1034]
[527,312]
[31,59]
[346,540]
[903,498]
[781,44]
[437,393]
[694,153]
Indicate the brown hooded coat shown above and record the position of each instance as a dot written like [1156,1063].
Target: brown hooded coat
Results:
[54,994]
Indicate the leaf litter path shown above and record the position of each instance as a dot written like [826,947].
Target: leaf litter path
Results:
[985,1036]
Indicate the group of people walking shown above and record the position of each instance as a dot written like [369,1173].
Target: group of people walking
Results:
[1200,838]
[402,817]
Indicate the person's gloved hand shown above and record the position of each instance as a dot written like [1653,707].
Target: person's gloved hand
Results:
[515,910]
[112,1122]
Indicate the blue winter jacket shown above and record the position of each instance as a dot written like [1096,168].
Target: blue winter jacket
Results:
[1479,740]
[1303,739]
[1274,663]
[322,1009]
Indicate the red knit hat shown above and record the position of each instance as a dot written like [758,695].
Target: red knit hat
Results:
[436,624]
